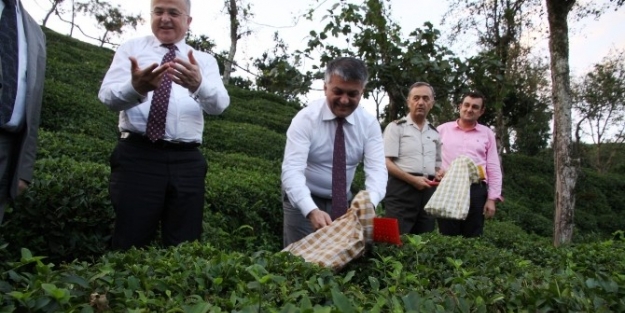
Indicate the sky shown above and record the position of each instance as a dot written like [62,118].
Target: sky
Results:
[590,39]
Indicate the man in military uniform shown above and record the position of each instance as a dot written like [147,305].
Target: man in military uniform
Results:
[413,157]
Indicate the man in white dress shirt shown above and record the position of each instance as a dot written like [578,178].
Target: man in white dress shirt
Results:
[157,171]
[307,169]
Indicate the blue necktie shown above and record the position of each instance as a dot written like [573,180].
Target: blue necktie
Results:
[9,56]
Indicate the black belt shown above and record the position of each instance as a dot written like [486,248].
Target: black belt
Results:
[430,177]
[161,144]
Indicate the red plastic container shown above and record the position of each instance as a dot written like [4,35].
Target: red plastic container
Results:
[386,230]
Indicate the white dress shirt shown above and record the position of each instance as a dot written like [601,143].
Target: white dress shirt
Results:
[307,165]
[19,109]
[185,121]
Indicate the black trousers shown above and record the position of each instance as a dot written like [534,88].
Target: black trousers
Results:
[473,226]
[406,203]
[152,183]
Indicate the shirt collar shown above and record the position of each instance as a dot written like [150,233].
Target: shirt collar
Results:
[180,45]
[327,115]
[458,126]
[411,122]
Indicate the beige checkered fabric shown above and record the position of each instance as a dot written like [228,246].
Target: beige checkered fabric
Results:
[342,241]
[452,196]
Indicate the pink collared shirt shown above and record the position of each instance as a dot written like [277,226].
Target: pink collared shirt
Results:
[479,145]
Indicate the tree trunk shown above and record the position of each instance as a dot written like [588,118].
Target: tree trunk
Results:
[71,30]
[501,132]
[234,37]
[566,171]
[45,19]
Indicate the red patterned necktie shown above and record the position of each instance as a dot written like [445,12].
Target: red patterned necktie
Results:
[155,129]
[339,172]
[9,56]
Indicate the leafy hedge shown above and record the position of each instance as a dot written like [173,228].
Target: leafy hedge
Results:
[235,267]
[504,271]
[529,194]
[65,214]
[252,140]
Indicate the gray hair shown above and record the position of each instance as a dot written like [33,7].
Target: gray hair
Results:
[347,68]
[420,84]
[187,2]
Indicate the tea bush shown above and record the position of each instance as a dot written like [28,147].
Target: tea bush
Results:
[252,140]
[79,147]
[259,112]
[505,270]
[65,221]
[66,212]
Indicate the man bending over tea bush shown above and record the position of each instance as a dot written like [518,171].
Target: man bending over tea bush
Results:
[325,143]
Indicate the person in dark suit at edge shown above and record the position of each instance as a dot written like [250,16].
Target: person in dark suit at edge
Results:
[23,63]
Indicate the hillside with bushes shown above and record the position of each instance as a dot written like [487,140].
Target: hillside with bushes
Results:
[54,253]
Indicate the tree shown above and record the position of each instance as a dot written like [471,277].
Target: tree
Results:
[278,73]
[53,9]
[498,26]
[527,105]
[601,105]
[237,13]
[368,32]
[565,167]
[110,17]
[205,44]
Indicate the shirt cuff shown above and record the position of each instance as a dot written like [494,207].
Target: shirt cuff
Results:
[496,198]
[197,94]
[130,94]
[306,205]
[375,198]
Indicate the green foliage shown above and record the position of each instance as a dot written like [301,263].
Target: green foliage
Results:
[506,270]
[66,212]
[246,203]
[235,267]
[261,112]
[109,17]
[226,136]
[394,62]
[279,73]
[529,194]
[74,73]
[600,105]
[79,147]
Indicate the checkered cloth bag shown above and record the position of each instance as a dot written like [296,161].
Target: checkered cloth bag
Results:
[342,241]
[451,198]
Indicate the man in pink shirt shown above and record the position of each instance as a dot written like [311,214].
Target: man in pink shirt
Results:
[467,137]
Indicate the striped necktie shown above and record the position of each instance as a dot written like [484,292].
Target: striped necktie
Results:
[9,56]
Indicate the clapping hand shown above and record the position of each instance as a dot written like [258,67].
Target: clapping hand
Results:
[147,79]
[186,74]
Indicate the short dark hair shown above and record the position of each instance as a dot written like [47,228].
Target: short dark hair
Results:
[348,68]
[420,84]
[474,94]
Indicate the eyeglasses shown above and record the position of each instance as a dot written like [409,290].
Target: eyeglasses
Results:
[172,13]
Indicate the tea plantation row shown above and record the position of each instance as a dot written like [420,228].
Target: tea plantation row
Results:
[54,245]
[504,271]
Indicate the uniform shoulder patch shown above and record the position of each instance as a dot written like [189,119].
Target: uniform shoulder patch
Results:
[400,121]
